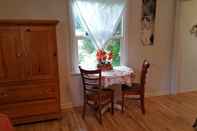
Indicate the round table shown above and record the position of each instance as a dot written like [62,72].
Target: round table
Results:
[117,76]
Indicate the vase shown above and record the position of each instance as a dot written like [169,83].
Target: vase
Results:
[105,67]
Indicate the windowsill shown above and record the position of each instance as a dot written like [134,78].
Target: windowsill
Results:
[75,73]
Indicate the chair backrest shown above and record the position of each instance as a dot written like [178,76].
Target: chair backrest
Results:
[144,71]
[91,79]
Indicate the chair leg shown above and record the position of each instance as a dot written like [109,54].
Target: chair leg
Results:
[123,99]
[84,108]
[142,103]
[112,104]
[100,115]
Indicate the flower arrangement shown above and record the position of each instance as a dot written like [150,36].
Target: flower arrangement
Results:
[104,59]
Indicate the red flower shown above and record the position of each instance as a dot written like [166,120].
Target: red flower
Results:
[101,55]
[110,55]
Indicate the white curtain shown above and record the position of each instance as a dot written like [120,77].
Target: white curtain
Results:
[100,17]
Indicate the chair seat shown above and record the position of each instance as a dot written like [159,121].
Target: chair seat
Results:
[105,94]
[135,87]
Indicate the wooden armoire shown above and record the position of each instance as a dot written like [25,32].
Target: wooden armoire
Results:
[29,89]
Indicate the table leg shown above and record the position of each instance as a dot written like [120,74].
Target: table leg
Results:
[117,99]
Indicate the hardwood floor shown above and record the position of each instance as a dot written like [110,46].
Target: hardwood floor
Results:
[163,113]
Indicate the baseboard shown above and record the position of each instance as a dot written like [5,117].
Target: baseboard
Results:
[186,90]
[157,93]
[36,118]
[66,106]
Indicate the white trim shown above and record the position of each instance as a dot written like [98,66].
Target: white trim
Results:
[81,37]
[157,93]
[68,105]
[176,53]
[182,90]
[76,73]
[73,53]
[124,45]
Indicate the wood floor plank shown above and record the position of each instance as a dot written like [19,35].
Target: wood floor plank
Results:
[163,113]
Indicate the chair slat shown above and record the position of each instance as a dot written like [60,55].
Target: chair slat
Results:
[94,95]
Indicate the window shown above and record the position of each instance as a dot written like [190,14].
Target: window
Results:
[86,50]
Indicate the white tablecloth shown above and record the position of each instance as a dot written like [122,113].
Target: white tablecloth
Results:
[119,75]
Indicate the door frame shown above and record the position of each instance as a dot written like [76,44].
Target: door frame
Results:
[176,52]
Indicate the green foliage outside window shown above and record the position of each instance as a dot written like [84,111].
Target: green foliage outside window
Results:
[87,52]
[114,46]
[88,46]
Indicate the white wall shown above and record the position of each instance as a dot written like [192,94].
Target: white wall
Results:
[187,46]
[159,54]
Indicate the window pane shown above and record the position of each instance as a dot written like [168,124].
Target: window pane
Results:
[80,29]
[118,29]
[86,53]
[114,46]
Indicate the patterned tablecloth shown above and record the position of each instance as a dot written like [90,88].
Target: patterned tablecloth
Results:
[119,75]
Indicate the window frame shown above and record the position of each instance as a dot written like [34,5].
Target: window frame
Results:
[121,37]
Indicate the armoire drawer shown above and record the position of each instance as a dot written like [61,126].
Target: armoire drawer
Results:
[28,109]
[27,93]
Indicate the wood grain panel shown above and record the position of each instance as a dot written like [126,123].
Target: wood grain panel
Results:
[27,22]
[11,54]
[39,43]
[27,93]
[27,109]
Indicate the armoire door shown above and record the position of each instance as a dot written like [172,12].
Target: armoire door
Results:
[40,50]
[11,54]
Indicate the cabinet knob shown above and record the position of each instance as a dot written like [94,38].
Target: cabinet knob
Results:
[18,54]
[3,94]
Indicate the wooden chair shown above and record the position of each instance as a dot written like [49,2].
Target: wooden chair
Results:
[94,94]
[136,88]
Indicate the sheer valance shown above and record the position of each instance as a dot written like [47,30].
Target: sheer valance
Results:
[101,18]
